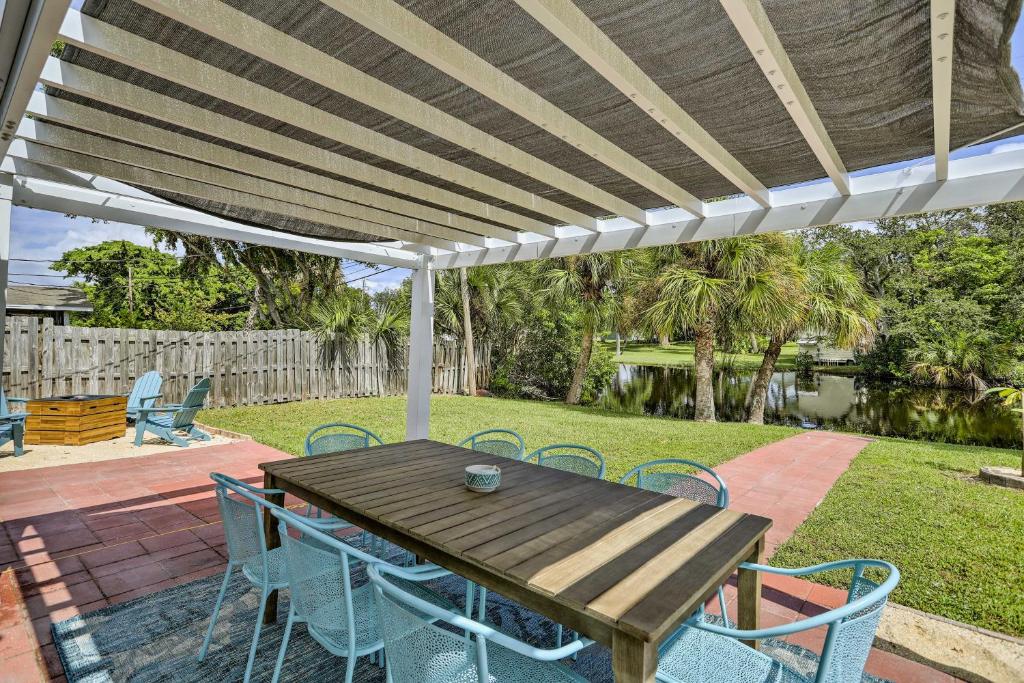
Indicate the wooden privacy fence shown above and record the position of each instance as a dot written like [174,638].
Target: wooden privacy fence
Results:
[246,368]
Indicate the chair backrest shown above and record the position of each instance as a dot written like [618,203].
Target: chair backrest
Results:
[502,442]
[193,403]
[680,484]
[147,385]
[319,571]
[571,458]
[339,436]
[851,627]
[4,408]
[242,517]
[848,641]
[413,644]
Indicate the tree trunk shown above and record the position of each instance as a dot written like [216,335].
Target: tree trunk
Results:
[618,344]
[663,340]
[763,378]
[704,362]
[576,388]
[467,333]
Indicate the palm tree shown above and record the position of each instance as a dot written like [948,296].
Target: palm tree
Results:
[826,297]
[590,281]
[1013,396]
[708,287]
[467,333]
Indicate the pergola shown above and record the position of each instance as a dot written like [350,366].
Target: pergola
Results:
[432,135]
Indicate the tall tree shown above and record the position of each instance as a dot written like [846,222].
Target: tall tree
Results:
[706,288]
[823,296]
[592,281]
[141,287]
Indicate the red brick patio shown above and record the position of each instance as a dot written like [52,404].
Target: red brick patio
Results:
[79,537]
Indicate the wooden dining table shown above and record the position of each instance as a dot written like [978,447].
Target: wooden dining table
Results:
[618,564]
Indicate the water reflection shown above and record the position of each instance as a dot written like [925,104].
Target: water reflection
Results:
[827,401]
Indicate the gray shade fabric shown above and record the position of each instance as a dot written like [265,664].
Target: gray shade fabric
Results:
[864,63]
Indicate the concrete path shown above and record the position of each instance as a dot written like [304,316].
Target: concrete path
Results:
[787,479]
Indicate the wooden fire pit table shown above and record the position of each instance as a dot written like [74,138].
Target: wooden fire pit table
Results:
[75,420]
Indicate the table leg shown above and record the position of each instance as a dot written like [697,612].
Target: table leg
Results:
[273,539]
[633,660]
[749,594]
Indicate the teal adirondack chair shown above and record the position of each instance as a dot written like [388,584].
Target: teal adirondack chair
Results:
[12,425]
[145,392]
[174,423]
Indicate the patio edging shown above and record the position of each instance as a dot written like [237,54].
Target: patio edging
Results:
[226,433]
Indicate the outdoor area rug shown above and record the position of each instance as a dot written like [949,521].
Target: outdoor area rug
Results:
[157,637]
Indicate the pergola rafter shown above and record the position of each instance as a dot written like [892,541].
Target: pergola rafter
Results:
[128,49]
[579,33]
[750,19]
[411,33]
[239,29]
[943,16]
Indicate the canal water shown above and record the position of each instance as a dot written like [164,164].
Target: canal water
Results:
[824,401]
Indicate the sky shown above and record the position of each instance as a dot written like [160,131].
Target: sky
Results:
[39,237]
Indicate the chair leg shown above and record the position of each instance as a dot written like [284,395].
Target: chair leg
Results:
[350,667]
[140,431]
[216,613]
[284,645]
[264,594]
[481,614]
[18,436]
[721,604]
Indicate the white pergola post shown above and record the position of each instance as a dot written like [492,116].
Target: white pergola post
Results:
[421,352]
[6,199]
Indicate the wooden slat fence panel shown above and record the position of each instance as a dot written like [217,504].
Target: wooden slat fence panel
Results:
[246,368]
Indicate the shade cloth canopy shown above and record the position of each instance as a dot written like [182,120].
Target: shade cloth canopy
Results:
[865,66]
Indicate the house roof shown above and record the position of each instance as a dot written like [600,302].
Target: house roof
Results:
[42,298]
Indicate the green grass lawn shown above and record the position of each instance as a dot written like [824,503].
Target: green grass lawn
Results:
[959,543]
[625,440]
[682,354]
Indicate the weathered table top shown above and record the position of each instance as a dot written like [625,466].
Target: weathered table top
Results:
[599,557]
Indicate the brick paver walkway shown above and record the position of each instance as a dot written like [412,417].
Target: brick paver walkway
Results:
[79,537]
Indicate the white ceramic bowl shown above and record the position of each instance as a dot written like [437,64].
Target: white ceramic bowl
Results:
[483,478]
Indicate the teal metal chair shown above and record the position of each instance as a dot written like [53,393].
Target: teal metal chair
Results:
[339,612]
[570,458]
[501,442]
[652,476]
[247,550]
[703,652]
[418,651]
[144,393]
[174,423]
[339,436]
[683,484]
[12,424]
[336,437]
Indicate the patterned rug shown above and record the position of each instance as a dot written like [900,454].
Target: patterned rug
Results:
[156,638]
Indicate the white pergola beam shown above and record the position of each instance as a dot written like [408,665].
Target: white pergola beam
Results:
[750,19]
[47,195]
[51,156]
[48,108]
[42,18]
[129,49]
[112,150]
[571,26]
[230,25]
[96,86]
[403,28]
[943,16]
[975,181]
